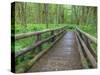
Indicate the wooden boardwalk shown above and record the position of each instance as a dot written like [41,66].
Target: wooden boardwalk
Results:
[63,56]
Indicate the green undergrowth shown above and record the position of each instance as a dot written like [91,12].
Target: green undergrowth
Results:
[34,27]
[89,29]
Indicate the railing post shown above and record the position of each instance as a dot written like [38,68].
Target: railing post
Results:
[39,48]
[52,33]
[63,29]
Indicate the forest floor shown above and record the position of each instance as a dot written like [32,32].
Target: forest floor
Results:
[63,56]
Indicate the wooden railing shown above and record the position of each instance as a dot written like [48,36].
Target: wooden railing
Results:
[55,35]
[87,52]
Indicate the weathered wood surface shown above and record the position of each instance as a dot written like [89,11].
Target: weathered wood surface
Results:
[29,34]
[27,49]
[88,53]
[83,59]
[63,56]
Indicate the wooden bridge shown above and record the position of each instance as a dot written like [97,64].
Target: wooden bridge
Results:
[68,50]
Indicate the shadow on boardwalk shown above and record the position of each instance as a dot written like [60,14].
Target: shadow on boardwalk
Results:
[63,56]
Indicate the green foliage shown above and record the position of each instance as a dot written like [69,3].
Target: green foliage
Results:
[34,27]
[24,43]
[70,26]
[31,28]
[91,29]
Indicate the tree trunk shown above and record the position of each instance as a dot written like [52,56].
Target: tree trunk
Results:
[46,14]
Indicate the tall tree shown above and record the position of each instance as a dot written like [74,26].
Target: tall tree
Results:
[46,14]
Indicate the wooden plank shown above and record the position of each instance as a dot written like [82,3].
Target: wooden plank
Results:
[88,53]
[83,59]
[92,50]
[29,34]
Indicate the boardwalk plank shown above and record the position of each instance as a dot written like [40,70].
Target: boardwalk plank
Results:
[63,56]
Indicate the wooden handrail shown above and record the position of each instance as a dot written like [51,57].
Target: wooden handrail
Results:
[55,34]
[88,53]
[33,60]
[83,59]
[85,39]
[38,42]
[93,39]
[24,50]
[25,35]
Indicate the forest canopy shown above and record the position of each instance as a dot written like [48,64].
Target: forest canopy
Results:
[36,13]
